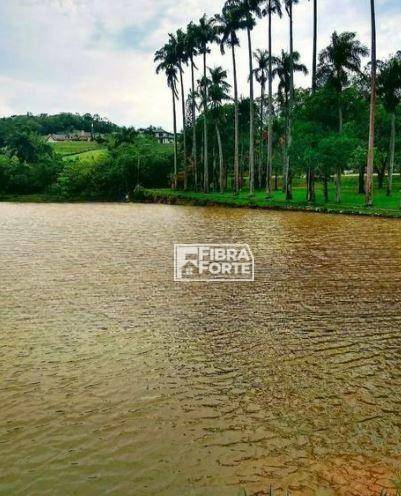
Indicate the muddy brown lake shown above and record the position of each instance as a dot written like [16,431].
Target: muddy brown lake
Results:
[116,380]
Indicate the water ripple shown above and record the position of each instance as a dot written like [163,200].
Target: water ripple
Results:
[116,380]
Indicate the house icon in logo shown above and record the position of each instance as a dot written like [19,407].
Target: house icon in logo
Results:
[213,263]
[190,268]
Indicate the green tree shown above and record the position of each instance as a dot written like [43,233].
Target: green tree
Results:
[289,4]
[165,58]
[250,9]
[218,89]
[192,50]
[28,165]
[389,88]
[228,23]
[373,96]
[285,65]
[29,147]
[272,7]
[261,76]
[206,34]
[336,62]
[178,44]
[334,153]
[306,137]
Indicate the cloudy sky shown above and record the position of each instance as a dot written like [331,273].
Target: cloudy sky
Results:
[97,55]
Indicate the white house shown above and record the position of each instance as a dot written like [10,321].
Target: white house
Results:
[163,137]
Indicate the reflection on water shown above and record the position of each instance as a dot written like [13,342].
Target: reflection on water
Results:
[116,380]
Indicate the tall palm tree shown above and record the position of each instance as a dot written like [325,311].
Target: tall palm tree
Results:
[206,34]
[389,88]
[371,149]
[289,4]
[314,55]
[287,180]
[165,59]
[178,42]
[250,9]
[272,7]
[218,89]
[310,174]
[284,66]
[261,75]
[192,52]
[228,23]
[336,62]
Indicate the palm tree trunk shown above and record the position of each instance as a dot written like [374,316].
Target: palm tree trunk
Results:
[205,144]
[314,63]
[326,188]
[371,151]
[340,130]
[194,150]
[288,174]
[270,116]
[311,185]
[221,159]
[291,53]
[262,98]
[175,140]
[183,127]
[202,151]
[214,174]
[285,148]
[338,185]
[236,125]
[285,161]
[251,120]
[392,156]
[241,173]
[361,180]
[289,142]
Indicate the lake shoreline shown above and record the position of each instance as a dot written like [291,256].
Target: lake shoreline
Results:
[170,197]
[46,198]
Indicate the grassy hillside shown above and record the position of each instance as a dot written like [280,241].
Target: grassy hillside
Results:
[66,148]
[87,156]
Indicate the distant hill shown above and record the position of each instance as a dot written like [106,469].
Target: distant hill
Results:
[45,124]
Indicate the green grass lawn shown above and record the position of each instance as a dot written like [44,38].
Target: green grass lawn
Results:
[87,156]
[65,148]
[351,202]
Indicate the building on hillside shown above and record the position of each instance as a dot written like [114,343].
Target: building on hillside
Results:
[84,136]
[55,138]
[74,136]
[163,137]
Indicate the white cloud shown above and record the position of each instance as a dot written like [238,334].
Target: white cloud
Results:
[97,56]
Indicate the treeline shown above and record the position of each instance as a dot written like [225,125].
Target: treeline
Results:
[346,120]
[131,161]
[29,165]
[45,124]
[318,150]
